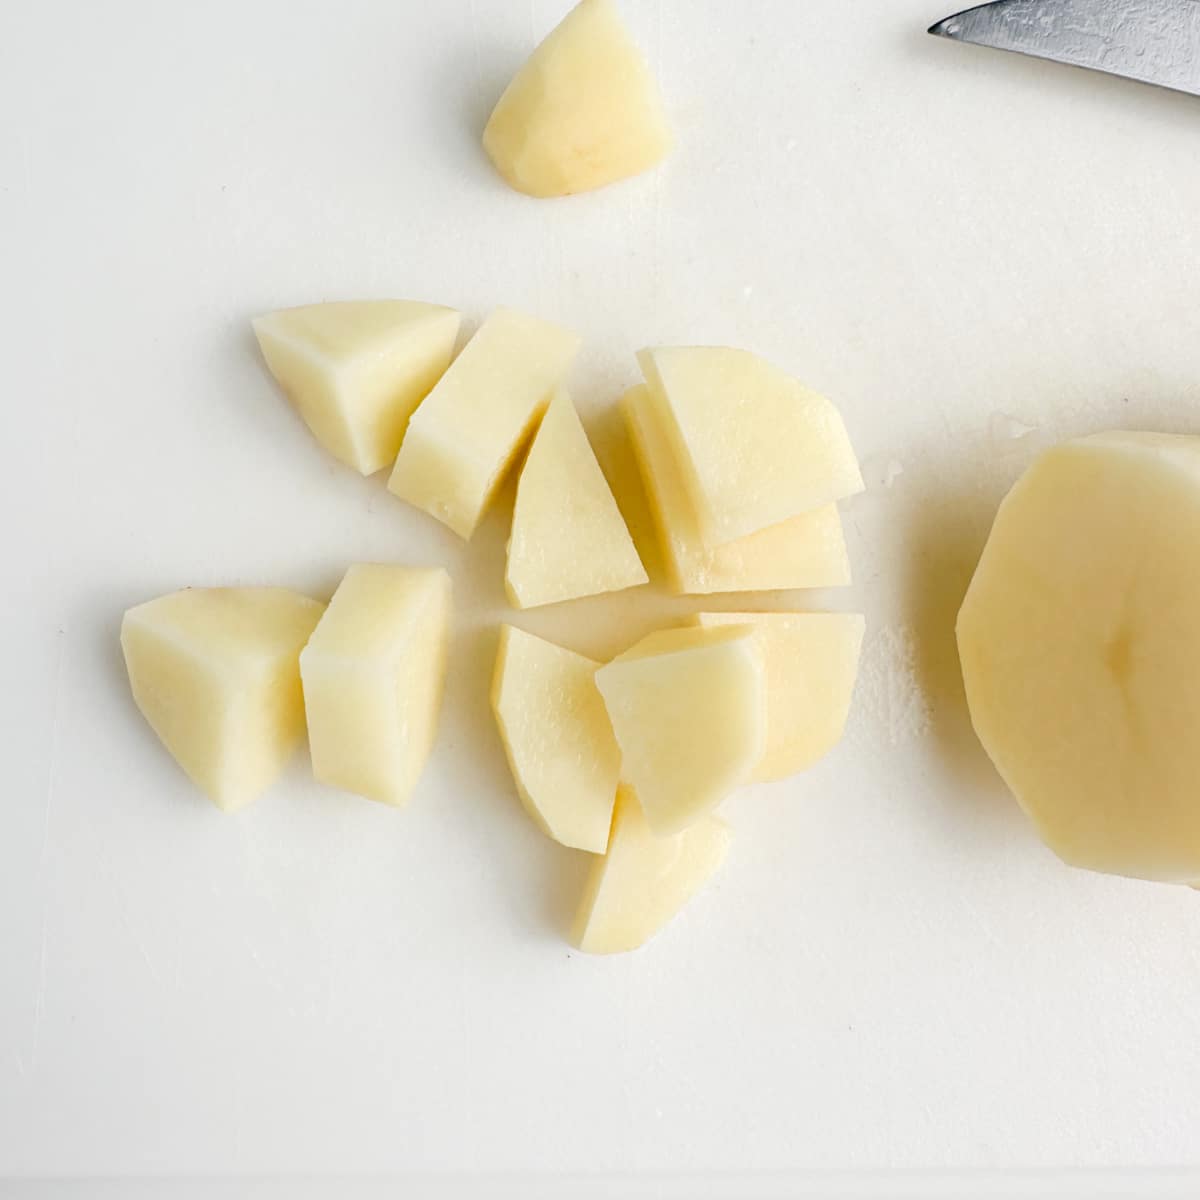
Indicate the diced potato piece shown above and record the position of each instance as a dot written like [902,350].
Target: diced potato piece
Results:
[1080,647]
[583,111]
[688,707]
[358,370]
[644,879]
[808,551]
[568,536]
[215,672]
[754,446]
[463,439]
[556,734]
[811,661]
[373,675]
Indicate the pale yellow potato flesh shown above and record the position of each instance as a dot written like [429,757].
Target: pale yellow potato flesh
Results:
[568,536]
[753,445]
[373,673]
[584,110]
[808,551]
[644,879]
[1080,646]
[215,672]
[557,737]
[357,370]
[468,431]
[811,663]
[688,708]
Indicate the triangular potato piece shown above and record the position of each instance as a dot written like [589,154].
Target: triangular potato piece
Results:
[357,370]
[755,446]
[644,879]
[568,536]
[215,672]
[811,662]
[557,737]
[688,708]
[807,551]
[582,112]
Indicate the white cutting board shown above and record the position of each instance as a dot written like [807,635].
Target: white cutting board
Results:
[971,253]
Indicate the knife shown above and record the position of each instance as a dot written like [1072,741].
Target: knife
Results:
[1152,41]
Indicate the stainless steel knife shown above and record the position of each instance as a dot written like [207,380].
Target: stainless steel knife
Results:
[1153,41]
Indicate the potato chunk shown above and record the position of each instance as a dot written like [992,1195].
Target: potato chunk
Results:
[215,672]
[568,536]
[808,551]
[644,879]
[373,674]
[557,737]
[754,446]
[582,112]
[688,707]
[357,370]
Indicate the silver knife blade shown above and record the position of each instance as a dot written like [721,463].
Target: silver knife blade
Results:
[1153,41]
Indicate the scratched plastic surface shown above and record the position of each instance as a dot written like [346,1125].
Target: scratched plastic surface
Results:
[1154,41]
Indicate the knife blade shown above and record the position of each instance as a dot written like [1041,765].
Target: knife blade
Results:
[1152,41]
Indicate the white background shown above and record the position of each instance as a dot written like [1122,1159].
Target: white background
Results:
[971,253]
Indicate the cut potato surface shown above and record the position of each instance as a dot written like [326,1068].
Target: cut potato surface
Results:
[215,673]
[557,737]
[688,708]
[808,551]
[568,536]
[373,674]
[811,662]
[582,112]
[357,370]
[754,446]
[465,435]
[644,879]
[1080,646]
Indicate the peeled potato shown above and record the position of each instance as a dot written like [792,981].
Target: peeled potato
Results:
[357,370]
[568,536]
[808,551]
[215,672]
[688,708]
[557,737]
[644,879]
[582,112]
[753,445]
[373,674]
[811,661]
[467,432]
[1080,647]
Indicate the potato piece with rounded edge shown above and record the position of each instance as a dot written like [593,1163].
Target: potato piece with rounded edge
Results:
[215,672]
[469,430]
[754,446]
[557,737]
[357,370]
[1080,646]
[811,662]
[809,551]
[644,879]
[688,708]
[373,673]
[583,111]
[568,536]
